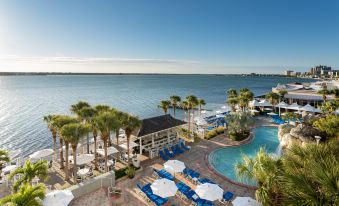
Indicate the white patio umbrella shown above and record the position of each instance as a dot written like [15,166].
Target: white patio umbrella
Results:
[131,145]
[294,106]
[245,201]
[164,188]
[272,113]
[58,198]
[84,159]
[174,166]
[9,168]
[110,151]
[208,191]
[41,154]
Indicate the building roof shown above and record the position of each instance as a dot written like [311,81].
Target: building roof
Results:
[157,124]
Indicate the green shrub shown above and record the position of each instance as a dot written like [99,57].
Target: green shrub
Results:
[120,173]
[238,136]
[211,134]
[220,130]
[130,171]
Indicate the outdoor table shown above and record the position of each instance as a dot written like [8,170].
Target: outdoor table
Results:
[83,172]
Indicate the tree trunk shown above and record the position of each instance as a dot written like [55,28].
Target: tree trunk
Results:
[128,136]
[54,143]
[193,120]
[95,150]
[87,143]
[174,108]
[117,136]
[189,121]
[66,161]
[75,167]
[61,154]
[106,157]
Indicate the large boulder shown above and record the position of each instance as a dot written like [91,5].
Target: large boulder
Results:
[305,133]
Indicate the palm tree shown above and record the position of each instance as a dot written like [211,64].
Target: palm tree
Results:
[4,158]
[184,106]
[59,121]
[76,108]
[106,122]
[121,116]
[28,172]
[282,94]
[87,114]
[311,174]
[175,100]
[164,105]
[273,98]
[232,102]
[51,125]
[27,195]
[131,123]
[72,133]
[264,169]
[102,108]
[245,97]
[231,93]
[192,102]
[83,111]
[201,102]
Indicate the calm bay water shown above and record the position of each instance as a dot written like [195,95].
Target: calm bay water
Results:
[24,100]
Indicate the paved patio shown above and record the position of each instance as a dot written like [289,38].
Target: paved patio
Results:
[196,159]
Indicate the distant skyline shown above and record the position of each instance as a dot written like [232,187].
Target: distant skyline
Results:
[151,36]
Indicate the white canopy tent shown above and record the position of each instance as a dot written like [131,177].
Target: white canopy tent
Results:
[131,145]
[245,201]
[265,103]
[254,103]
[294,106]
[110,151]
[58,198]
[309,108]
[164,188]
[208,191]
[84,159]
[281,105]
[41,154]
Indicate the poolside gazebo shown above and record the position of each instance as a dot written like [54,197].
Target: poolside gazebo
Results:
[157,133]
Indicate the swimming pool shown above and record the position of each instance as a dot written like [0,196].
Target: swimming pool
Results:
[224,160]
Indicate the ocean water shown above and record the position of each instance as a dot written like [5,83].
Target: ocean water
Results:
[24,100]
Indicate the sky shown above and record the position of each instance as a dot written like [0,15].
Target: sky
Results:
[173,36]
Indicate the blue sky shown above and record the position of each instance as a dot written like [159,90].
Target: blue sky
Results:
[230,36]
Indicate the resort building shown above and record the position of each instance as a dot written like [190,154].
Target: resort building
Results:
[307,93]
[157,133]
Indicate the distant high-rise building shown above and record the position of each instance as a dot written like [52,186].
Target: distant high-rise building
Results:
[288,73]
[320,70]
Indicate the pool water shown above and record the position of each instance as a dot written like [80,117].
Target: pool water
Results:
[225,159]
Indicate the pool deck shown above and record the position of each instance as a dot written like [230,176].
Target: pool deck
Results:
[195,159]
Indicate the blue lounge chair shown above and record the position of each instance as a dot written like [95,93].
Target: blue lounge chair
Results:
[164,174]
[163,156]
[146,189]
[174,150]
[180,151]
[169,153]
[206,180]
[191,173]
[228,196]
[183,146]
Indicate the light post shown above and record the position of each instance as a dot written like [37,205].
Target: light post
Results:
[317,138]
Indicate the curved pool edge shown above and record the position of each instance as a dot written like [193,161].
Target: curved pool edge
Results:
[243,142]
